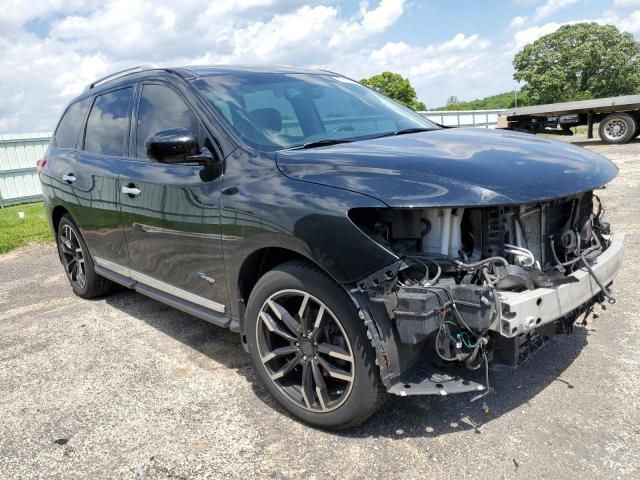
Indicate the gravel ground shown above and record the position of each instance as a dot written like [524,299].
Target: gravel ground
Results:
[125,387]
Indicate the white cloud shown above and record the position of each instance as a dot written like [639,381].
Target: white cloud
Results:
[628,22]
[626,3]
[517,22]
[78,41]
[15,13]
[552,6]
[421,63]
[531,34]
[86,39]
[464,65]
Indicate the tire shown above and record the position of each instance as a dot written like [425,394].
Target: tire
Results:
[617,128]
[347,392]
[77,261]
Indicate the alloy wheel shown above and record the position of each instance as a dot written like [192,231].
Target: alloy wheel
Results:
[72,256]
[305,350]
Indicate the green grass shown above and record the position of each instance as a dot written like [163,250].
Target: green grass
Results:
[16,232]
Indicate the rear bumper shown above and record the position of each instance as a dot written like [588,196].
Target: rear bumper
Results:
[525,311]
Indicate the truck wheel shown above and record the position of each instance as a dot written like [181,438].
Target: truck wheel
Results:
[77,262]
[310,349]
[617,128]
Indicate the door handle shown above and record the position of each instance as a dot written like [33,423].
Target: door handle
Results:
[69,178]
[131,190]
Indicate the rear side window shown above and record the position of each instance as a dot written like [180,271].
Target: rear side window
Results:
[161,108]
[108,123]
[71,124]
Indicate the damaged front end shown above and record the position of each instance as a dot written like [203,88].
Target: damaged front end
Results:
[480,287]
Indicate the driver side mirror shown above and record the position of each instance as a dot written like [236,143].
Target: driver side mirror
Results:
[176,145]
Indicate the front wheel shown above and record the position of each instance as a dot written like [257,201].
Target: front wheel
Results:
[310,349]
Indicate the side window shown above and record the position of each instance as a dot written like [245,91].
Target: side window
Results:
[108,123]
[161,108]
[69,128]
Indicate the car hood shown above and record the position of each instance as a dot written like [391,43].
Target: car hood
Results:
[453,167]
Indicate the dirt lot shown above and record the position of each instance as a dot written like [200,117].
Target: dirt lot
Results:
[125,387]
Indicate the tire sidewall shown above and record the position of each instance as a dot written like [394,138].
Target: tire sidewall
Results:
[365,369]
[88,261]
[629,120]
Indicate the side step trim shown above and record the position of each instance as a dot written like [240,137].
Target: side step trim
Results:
[184,305]
[115,277]
[218,319]
[156,284]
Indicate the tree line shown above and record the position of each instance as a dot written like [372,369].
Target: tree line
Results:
[576,62]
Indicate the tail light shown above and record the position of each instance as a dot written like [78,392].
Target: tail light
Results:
[40,165]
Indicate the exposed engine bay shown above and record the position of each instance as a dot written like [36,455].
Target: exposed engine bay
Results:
[481,286]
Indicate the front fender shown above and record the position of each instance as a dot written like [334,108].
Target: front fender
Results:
[268,209]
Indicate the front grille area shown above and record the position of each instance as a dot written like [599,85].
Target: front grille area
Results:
[561,222]
[531,224]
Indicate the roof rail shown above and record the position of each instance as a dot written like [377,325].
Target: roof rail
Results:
[118,74]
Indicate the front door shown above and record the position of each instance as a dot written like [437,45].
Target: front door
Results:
[170,215]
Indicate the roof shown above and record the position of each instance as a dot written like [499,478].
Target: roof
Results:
[186,73]
[207,70]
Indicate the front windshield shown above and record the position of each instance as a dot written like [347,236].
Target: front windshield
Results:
[276,111]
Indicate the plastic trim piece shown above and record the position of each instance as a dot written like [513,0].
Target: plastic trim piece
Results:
[159,285]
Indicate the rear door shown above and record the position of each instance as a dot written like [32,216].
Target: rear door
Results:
[94,175]
[170,215]
[58,178]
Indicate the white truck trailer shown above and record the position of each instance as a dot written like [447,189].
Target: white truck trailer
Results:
[619,117]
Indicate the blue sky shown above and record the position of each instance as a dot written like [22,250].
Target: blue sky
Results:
[50,49]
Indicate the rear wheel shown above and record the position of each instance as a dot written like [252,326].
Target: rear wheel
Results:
[617,128]
[310,348]
[77,262]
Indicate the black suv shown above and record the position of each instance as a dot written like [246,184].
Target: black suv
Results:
[355,247]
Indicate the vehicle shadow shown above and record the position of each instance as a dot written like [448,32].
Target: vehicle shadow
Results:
[399,417]
[424,416]
[596,142]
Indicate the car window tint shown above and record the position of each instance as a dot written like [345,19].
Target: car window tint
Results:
[275,111]
[108,123]
[340,111]
[267,99]
[69,128]
[161,108]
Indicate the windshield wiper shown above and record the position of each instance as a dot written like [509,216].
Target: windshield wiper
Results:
[405,131]
[334,141]
[321,143]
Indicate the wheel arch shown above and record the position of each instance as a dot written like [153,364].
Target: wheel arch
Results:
[56,215]
[259,262]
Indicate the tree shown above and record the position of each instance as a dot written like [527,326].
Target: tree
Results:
[395,86]
[493,102]
[453,102]
[578,62]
